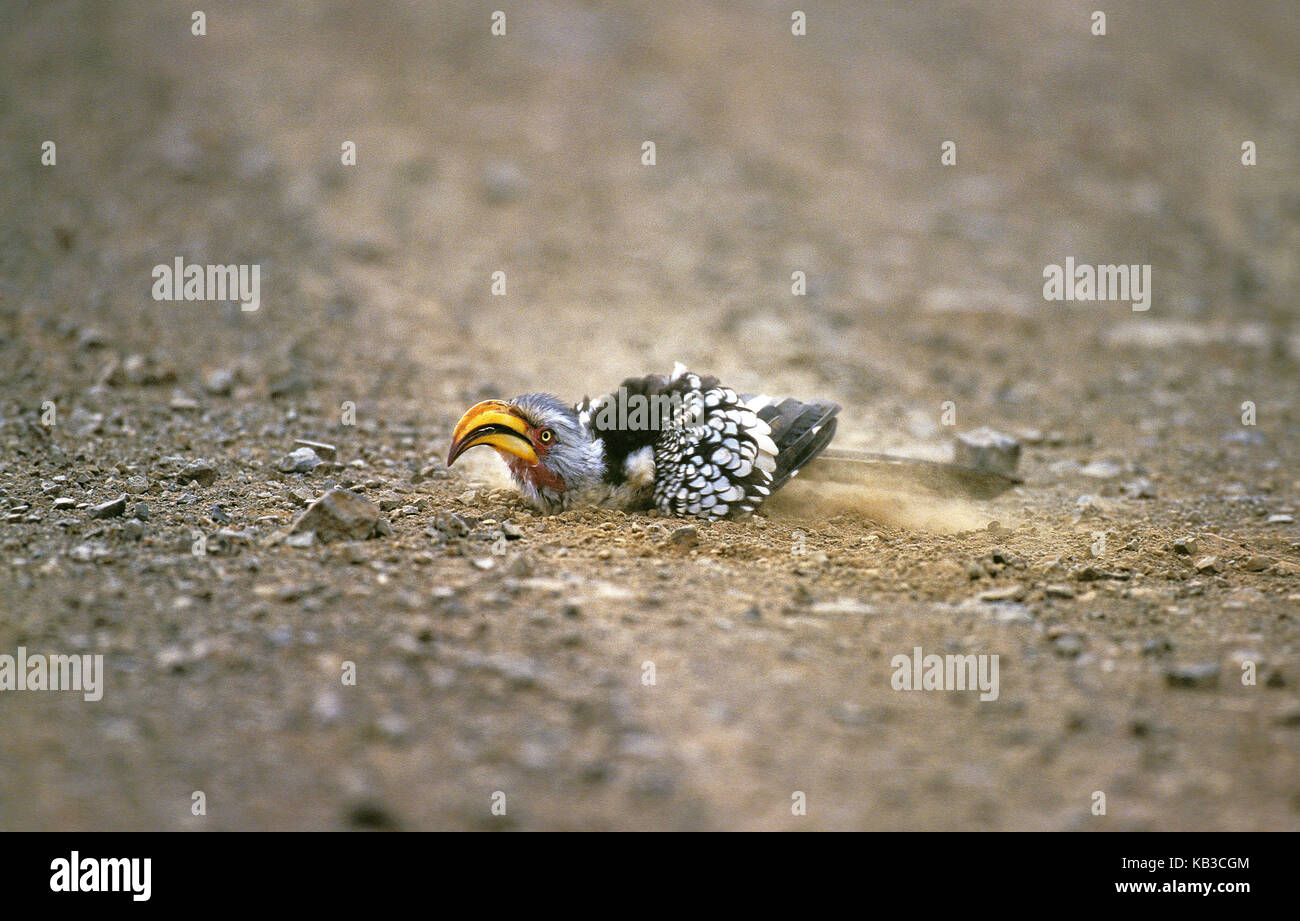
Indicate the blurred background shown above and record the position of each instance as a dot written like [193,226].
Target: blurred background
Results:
[775,154]
[522,154]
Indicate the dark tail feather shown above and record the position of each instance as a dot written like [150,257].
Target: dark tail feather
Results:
[801,432]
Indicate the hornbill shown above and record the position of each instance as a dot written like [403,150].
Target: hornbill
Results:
[682,443]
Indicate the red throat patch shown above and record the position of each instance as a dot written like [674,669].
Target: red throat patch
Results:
[539,475]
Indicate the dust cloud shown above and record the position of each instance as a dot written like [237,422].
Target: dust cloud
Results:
[891,506]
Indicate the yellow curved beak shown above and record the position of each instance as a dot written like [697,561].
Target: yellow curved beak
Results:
[495,423]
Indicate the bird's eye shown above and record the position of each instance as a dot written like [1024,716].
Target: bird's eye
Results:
[546,436]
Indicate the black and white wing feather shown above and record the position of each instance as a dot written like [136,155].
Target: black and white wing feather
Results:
[719,459]
[801,432]
[715,454]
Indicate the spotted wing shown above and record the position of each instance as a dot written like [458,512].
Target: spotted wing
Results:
[718,458]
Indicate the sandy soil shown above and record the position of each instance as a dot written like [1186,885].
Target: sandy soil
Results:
[525,671]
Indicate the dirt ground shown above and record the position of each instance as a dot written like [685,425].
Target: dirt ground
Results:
[1148,564]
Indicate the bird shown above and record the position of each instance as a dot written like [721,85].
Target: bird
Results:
[681,443]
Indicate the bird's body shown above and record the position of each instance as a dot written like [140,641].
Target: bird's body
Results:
[681,443]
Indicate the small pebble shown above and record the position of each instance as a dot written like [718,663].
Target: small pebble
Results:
[219,383]
[1199,676]
[111,509]
[200,471]
[303,460]
[987,450]
[323,450]
[686,536]
[1013,592]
